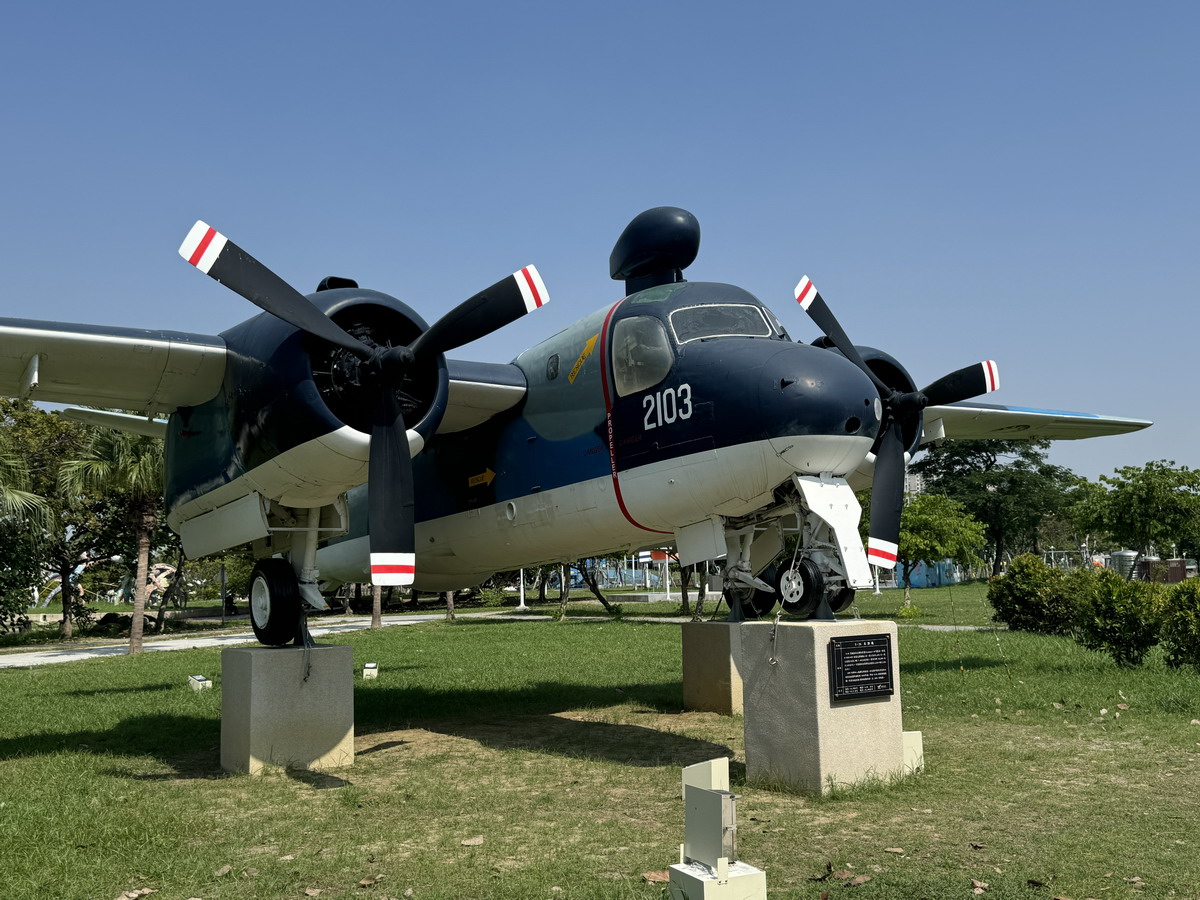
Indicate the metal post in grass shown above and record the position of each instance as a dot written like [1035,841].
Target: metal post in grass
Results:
[521,602]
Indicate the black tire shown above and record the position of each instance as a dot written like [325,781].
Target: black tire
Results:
[841,600]
[274,602]
[756,604]
[799,588]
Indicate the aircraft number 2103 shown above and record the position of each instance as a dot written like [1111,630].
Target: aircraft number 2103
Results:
[664,407]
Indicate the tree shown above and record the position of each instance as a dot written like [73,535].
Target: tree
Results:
[1152,506]
[77,529]
[1006,485]
[23,519]
[933,528]
[592,580]
[131,465]
[18,504]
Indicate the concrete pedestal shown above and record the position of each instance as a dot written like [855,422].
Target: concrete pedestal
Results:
[712,678]
[795,733]
[271,714]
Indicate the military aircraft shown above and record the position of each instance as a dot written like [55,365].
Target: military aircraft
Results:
[332,433]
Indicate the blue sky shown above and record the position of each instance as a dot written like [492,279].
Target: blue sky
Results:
[963,181]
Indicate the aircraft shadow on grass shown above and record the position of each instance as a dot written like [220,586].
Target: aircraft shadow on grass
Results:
[501,719]
[528,719]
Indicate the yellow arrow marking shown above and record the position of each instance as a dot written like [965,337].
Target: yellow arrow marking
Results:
[587,351]
[486,478]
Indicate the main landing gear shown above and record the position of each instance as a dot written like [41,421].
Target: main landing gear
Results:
[274,602]
[279,598]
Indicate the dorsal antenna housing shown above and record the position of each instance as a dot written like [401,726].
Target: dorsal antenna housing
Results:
[655,248]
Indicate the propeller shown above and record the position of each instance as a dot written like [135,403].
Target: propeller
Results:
[901,411]
[390,504]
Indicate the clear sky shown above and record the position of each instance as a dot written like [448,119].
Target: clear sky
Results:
[1016,181]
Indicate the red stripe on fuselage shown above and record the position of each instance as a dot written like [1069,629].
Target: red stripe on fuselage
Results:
[608,421]
[202,246]
[537,298]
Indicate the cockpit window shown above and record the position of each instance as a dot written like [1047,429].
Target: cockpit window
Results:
[719,320]
[641,354]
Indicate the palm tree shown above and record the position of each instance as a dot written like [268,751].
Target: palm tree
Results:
[130,465]
[16,501]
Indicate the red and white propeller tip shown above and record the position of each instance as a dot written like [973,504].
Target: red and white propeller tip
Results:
[393,569]
[533,289]
[805,292]
[881,553]
[202,246]
[991,375]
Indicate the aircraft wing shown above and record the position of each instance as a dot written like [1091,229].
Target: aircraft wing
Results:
[479,391]
[125,368]
[977,421]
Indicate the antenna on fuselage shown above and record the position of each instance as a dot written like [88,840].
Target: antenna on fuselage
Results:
[655,248]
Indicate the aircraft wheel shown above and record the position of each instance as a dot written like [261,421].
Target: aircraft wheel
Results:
[841,599]
[755,603]
[274,602]
[800,587]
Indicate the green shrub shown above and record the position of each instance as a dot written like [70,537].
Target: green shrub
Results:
[492,596]
[1118,617]
[908,612]
[1179,613]
[1029,597]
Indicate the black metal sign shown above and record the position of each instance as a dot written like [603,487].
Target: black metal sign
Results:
[860,667]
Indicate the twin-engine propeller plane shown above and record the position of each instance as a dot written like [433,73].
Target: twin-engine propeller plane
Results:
[332,433]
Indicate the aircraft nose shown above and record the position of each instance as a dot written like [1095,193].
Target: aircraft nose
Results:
[821,411]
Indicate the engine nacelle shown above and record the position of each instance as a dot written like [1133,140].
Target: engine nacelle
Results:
[292,422]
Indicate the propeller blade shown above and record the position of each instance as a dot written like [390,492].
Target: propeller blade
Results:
[968,382]
[505,301]
[887,500]
[224,261]
[813,303]
[390,507]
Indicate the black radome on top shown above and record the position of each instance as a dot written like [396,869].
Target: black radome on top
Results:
[655,248]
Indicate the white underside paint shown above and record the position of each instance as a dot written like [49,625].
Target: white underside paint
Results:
[584,519]
[313,474]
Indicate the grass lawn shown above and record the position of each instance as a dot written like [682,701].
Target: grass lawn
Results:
[960,604]
[1051,773]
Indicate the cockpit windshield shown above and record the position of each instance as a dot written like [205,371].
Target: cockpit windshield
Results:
[693,323]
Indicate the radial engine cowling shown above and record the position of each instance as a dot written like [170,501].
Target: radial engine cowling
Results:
[377,320]
[295,412]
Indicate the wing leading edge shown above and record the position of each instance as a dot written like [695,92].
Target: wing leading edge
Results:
[126,368]
[159,371]
[978,421]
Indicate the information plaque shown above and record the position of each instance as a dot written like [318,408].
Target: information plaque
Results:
[860,667]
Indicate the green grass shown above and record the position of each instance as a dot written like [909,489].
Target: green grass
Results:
[961,604]
[561,743]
